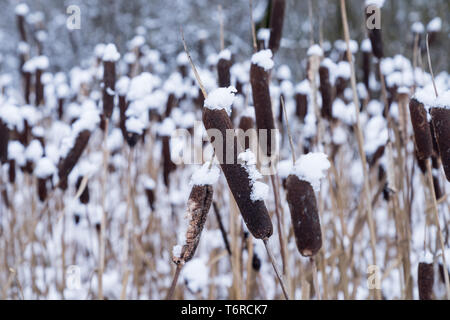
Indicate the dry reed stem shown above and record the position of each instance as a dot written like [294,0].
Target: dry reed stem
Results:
[277,271]
[360,140]
[255,45]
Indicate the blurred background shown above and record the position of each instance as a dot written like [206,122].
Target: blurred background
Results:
[159,21]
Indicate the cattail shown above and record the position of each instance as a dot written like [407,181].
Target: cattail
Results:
[441,124]
[62,93]
[134,129]
[303,90]
[68,163]
[252,207]
[223,68]
[326,92]
[366,48]
[84,197]
[4,138]
[166,129]
[276,24]
[122,87]
[41,64]
[21,11]
[110,56]
[434,28]
[44,171]
[374,33]
[302,202]
[246,123]
[183,64]
[149,188]
[426,280]
[198,205]
[421,127]
[259,78]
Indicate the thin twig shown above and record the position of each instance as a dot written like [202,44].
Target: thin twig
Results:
[288,131]
[222,228]
[431,67]
[255,45]
[275,268]
[174,282]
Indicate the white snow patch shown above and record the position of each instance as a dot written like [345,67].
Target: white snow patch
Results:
[221,98]
[205,175]
[263,59]
[311,168]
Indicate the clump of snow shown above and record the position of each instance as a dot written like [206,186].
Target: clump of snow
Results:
[134,125]
[343,70]
[345,113]
[41,62]
[176,250]
[427,96]
[366,45]
[427,257]
[284,168]
[263,59]
[182,59]
[435,25]
[196,274]
[418,27]
[225,54]
[140,86]
[311,168]
[99,50]
[315,50]
[63,91]
[264,35]
[303,87]
[221,98]
[16,152]
[376,134]
[110,53]
[377,3]
[122,85]
[259,189]
[339,136]
[166,128]
[284,72]
[249,112]
[22,9]
[44,168]
[34,151]
[205,175]
[149,183]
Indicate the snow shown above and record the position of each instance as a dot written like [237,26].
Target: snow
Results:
[225,54]
[339,136]
[22,9]
[11,116]
[34,151]
[176,250]
[378,3]
[303,88]
[249,112]
[311,168]
[366,45]
[263,59]
[134,125]
[418,27]
[44,168]
[259,189]
[264,35]
[376,134]
[41,62]
[182,59]
[284,168]
[284,72]
[196,274]
[99,50]
[89,119]
[122,85]
[140,86]
[315,50]
[205,175]
[63,91]
[110,53]
[427,257]
[427,96]
[166,128]
[346,113]
[149,183]
[435,25]
[221,98]
[16,151]
[343,70]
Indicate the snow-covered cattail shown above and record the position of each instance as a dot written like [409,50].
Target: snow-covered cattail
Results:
[165,130]
[434,28]
[246,123]
[110,57]
[183,64]
[440,113]
[425,280]
[366,48]
[134,129]
[262,63]
[4,139]
[122,86]
[422,133]
[302,90]
[374,33]
[326,89]
[149,188]
[198,206]
[62,91]
[223,68]
[21,12]
[41,64]
[276,24]
[248,193]
[301,185]
[28,70]
[343,73]
[81,132]
[44,171]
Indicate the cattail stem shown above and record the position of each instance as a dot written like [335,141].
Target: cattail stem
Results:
[222,228]
[360,139]
[281,235]
[288,131]
[315,278]
[171,291]
[275,268]
[255,45]
[431,67]
[222,40]
[438,225]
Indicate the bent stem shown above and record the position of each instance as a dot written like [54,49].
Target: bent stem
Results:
[174,282]
[275,268]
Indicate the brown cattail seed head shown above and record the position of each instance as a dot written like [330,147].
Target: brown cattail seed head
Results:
[441,125]
[254,213]
[259,79]
[422,131]
[425,279]
[109,83]
[304,214]
[198,207]
[4,138]
[326,92]
[276,24]
[66,165]
[223,69]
